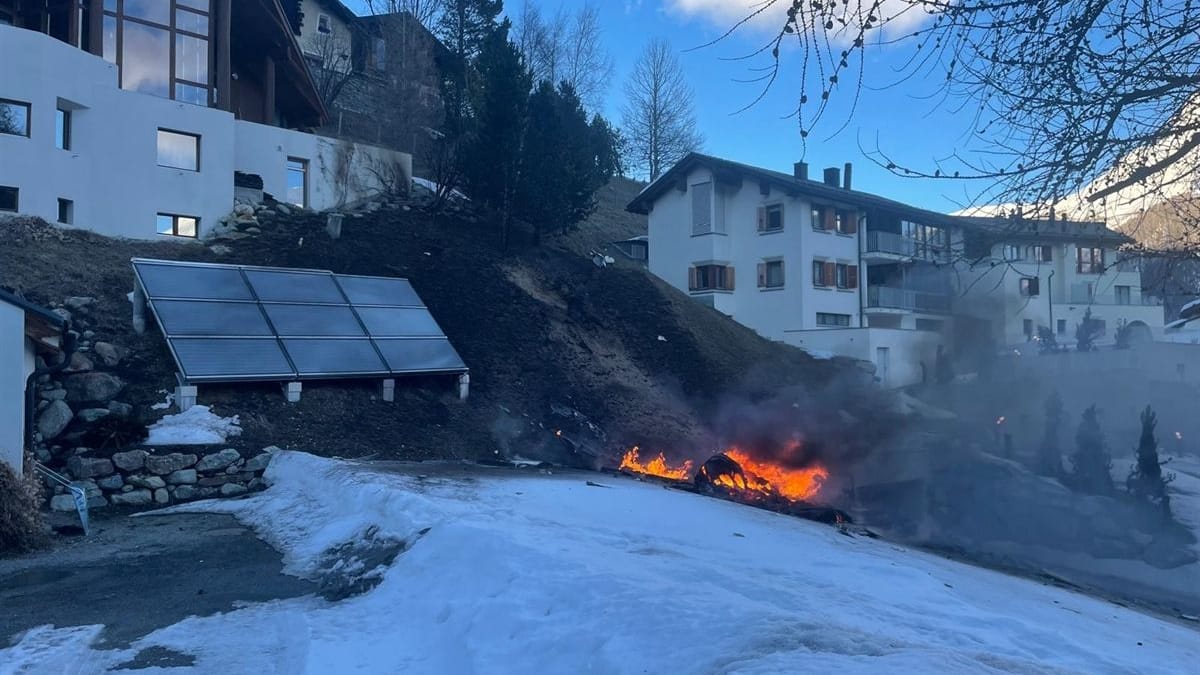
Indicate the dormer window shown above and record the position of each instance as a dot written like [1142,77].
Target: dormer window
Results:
[324,25]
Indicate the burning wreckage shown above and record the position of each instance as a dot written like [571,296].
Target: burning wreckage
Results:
[737,476]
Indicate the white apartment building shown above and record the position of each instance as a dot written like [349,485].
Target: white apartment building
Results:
[833,270]
[131,118]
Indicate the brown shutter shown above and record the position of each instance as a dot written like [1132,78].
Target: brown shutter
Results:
[729,278]
[830,216]
[762,218]
[691,278]
[762,275]
[852,276]
[830,274]
[852,226]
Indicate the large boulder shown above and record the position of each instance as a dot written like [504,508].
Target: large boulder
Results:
[218,460]
[89,467]
[92,415]
[54,419]
[93,387]
[109,354]
[182,477]
[165,464]
[130,461]
[133,498]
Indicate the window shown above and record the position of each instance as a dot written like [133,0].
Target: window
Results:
[14,117]
[826,319]
[177,150]
[824,218]
[162,47]
[62,129]
[1030,287]
[710,278]
[178,226]
[66,211]
[846,222]
[847,276]
[637,251]
[297,182]
[1011,252]
[324,25]
[770,274]
[377,57]
[1062,326]
[9,198]
[770,218]
[825,273]
[1089,260]
[1042,253]
[926,241]
[702,208]
[1123,295]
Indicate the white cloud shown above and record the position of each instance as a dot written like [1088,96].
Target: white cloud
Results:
[724,14]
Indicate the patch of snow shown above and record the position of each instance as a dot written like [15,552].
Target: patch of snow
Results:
[662,339]
[166,403]
[545,574]
[1183,311]
[197,425]
[820,353]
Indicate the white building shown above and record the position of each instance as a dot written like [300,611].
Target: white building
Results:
[131,119]
[25,330]
[833,270]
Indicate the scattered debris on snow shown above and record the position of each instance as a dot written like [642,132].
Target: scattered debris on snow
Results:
[166,403]
[197,425]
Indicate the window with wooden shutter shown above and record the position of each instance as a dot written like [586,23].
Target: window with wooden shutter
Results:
[729,278]
[852,276]
[702,222]
[818,273]
[692,281]
[830,273]
[851,223]
[762,219]
[830,218]
[762,275]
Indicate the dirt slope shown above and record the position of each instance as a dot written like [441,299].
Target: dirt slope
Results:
[610,355]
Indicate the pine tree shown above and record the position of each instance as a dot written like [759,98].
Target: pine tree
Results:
[1146,480]
[1091,464]
[492,156]
[1086,332]
[463,28]
[566,159]
[1049,457]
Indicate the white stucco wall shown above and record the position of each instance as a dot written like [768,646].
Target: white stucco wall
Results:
[16,364]
[314,42]
[994,293]
[906,349]
[737,242]
[111,172]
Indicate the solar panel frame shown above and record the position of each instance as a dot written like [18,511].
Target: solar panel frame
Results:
[281,296]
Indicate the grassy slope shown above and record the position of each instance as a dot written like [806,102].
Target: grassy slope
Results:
[543,330]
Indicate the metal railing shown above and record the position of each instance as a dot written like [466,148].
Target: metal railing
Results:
[898,244]
[906,298]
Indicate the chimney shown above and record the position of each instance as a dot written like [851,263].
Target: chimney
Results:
[833,176]
[846,170]
[800,170]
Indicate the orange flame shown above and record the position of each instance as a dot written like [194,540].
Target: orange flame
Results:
[795,484]
[656,467]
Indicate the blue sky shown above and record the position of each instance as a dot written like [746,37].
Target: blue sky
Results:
[903,120]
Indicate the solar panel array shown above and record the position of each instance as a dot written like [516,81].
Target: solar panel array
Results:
[233,323]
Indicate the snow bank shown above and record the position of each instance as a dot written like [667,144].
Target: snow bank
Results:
[545,574]
[197,425]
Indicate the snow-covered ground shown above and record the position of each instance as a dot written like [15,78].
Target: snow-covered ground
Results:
[525,573]
[198,425]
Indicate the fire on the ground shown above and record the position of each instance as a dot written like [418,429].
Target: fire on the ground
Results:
[737,471]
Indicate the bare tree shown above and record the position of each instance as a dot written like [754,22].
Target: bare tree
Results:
[426,12]
[542,42]
[587,66]
[658,119]
[1084,106]
[335,67]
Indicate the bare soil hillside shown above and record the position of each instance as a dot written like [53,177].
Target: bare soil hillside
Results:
[610,356]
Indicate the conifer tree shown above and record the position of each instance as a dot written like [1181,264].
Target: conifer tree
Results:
[1091,464]
[1049,456]
[1146,479]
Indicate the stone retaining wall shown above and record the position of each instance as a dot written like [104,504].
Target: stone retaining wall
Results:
[149,478]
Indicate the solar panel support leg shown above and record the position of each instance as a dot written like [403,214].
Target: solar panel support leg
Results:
[291,391]
[333,225]
[387,390]
[185,394]
[138,299]
[464,386]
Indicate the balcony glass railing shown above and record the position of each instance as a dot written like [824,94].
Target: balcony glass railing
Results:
[905,298]
[898,244]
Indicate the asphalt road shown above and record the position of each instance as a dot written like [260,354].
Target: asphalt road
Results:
[135,575]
